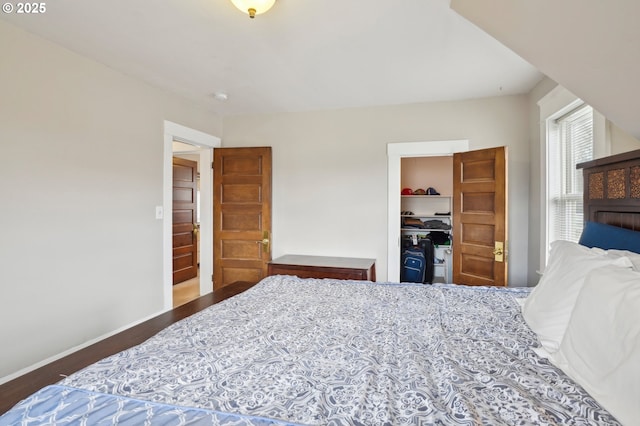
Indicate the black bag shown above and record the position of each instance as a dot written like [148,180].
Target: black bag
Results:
[440,237]
[423,250]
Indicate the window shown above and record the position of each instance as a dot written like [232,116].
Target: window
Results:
[570,141]
[560,208]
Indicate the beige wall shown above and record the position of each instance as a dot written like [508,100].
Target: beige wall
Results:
[621,141]
[81,167]
[534,225]
[330,170]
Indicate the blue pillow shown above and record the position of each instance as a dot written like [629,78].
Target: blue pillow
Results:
[610,237]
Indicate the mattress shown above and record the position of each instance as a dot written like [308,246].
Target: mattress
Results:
[318,352]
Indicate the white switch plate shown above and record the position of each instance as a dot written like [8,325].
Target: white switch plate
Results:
[159,212]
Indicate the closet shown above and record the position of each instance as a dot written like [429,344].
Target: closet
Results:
[427,210]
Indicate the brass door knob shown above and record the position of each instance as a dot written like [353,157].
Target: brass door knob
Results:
[265,241]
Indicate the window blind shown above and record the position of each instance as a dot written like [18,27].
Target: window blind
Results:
[571,142]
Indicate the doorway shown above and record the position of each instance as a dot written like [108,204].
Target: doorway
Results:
[427,210]
[203,143]
[395,153]
[186,222]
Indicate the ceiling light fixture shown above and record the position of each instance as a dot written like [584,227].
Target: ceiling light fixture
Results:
[253,7]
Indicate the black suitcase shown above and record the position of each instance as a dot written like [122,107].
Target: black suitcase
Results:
[427,248]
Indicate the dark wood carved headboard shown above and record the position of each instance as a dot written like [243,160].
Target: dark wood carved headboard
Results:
[612,190]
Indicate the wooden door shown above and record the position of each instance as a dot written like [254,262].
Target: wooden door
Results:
[185,241]
[480,217]
[242,214]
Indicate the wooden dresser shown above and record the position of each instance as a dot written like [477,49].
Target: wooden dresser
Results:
[345,268]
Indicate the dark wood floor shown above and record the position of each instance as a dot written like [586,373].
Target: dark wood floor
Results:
[16,390]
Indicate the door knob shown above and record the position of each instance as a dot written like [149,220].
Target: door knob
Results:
[265,241]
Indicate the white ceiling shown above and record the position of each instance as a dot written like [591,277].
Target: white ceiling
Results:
[591,47]
[301,55]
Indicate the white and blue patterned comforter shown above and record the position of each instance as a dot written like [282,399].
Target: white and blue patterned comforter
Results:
[352,353]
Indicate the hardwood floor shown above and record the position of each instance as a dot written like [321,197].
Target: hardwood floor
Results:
[186,291]
[18,389]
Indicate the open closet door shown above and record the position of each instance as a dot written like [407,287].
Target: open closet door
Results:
[242,214]
[480,217]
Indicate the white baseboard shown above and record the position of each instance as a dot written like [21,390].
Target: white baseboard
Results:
[44,362]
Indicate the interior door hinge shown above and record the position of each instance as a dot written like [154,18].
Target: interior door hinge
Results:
[211,277]
[212,164]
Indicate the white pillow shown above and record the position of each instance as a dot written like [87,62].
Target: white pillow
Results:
[633,257]
[548,308]
[601,348]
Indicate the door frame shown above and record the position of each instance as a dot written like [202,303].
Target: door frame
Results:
[395,152]
[177,132]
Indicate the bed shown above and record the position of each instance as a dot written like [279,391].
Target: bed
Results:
[292,351]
